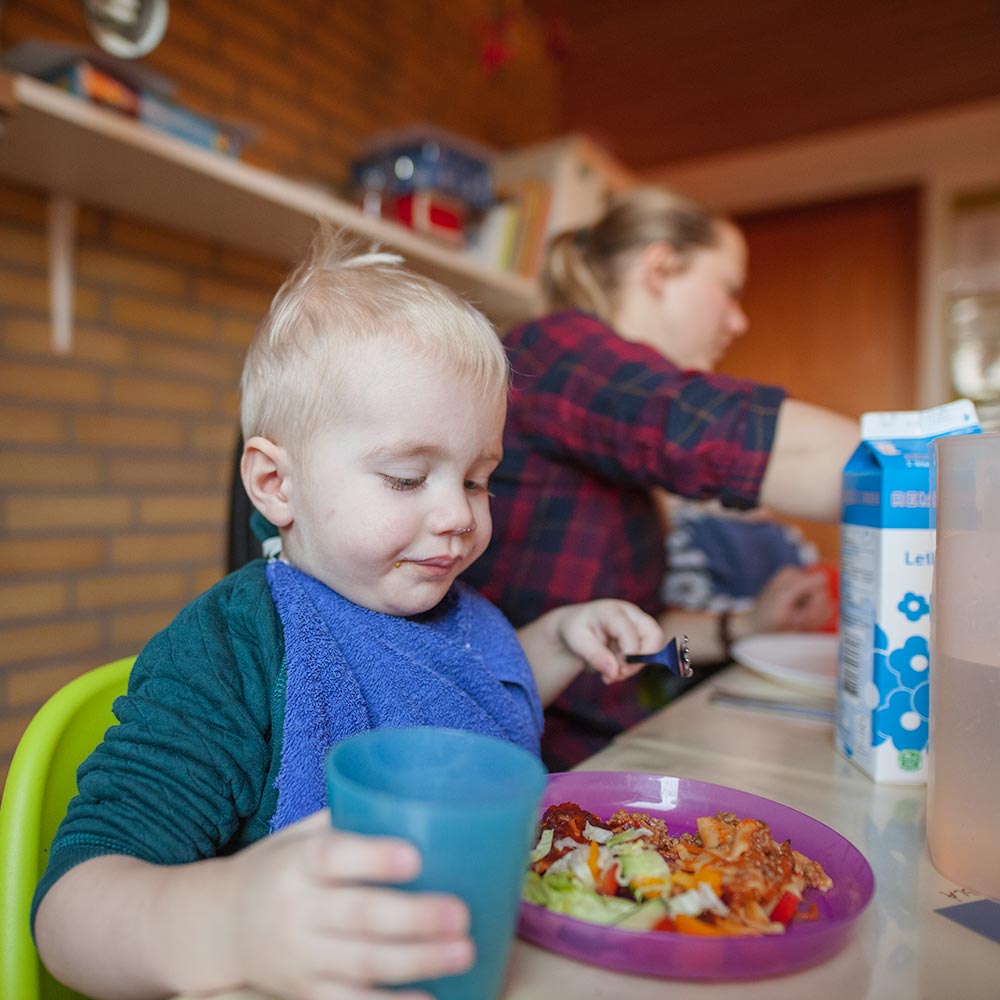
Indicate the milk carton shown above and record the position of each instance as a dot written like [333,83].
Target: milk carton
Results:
[886,564]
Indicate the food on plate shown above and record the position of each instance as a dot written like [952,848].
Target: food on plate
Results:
[730,878]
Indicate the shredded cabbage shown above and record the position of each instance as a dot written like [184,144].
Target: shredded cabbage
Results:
[543,846]
[697,901]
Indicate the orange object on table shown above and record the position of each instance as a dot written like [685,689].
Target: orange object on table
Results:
[832,574]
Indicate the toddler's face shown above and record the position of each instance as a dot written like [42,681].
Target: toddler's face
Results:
[390,502]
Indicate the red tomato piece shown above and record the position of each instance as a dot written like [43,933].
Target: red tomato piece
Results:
[608,884]
[785,908]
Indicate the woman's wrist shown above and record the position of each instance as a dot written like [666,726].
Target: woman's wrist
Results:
[731,627]
[724,634]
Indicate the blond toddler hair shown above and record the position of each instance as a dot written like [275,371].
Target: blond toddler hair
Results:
[346,293]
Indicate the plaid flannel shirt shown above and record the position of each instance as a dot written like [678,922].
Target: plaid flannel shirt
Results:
[595,421]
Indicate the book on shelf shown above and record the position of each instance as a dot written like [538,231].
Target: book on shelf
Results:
[493,239]
[511,234]
[534,198]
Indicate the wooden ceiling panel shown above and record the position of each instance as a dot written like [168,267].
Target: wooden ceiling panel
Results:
[664,80]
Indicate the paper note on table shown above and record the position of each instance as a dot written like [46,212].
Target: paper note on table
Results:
[980,915]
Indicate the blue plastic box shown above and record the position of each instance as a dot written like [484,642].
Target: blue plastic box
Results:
[427,165]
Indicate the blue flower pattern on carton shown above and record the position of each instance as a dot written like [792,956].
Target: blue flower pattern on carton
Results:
[914,606]
[903,690]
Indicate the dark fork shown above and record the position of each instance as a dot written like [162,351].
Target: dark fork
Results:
[675,656]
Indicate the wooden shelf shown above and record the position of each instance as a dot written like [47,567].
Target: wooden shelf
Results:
[56,141]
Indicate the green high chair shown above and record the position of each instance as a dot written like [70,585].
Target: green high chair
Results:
[41,782]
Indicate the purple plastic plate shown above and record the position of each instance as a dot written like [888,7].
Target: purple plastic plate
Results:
[679,802]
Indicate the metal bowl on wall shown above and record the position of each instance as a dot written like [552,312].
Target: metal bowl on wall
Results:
[128,29]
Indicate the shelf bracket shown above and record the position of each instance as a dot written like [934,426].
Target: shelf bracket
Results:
[62,246]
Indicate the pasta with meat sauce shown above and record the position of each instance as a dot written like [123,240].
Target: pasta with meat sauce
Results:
[731,877]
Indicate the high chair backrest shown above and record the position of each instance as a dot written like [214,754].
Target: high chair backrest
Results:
[41,781]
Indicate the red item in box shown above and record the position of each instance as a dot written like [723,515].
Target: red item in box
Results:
[431,213]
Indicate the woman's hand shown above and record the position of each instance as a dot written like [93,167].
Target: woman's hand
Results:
[793,600]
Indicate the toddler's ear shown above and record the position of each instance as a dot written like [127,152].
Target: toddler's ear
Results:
[265,470]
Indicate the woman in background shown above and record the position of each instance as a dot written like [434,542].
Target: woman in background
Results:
[614,399]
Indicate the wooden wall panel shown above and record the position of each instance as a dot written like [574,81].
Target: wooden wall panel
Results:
[831,297]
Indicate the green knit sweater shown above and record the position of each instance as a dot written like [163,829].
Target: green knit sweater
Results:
[214,680]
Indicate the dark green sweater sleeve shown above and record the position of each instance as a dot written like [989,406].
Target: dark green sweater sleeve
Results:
[188,772]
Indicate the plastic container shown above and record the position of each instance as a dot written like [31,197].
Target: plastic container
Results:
[963,793]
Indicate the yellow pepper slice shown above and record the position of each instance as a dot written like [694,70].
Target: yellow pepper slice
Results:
[712,876]
[648,887]
[685,880]
[692,925]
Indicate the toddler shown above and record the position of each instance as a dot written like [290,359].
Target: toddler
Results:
[373,405]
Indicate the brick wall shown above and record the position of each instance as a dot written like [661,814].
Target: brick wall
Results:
[318,76]
[117,455]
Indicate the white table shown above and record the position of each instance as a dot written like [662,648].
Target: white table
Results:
[901,948]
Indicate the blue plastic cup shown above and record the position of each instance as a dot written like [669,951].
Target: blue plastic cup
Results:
[469,804]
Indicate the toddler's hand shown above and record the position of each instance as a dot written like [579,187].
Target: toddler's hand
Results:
[602,632]
[307,922]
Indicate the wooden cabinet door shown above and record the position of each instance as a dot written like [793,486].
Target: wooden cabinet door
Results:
[832,300]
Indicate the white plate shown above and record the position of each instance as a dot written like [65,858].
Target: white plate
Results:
[805,659]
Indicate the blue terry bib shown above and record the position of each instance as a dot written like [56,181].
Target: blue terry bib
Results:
[349,669]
